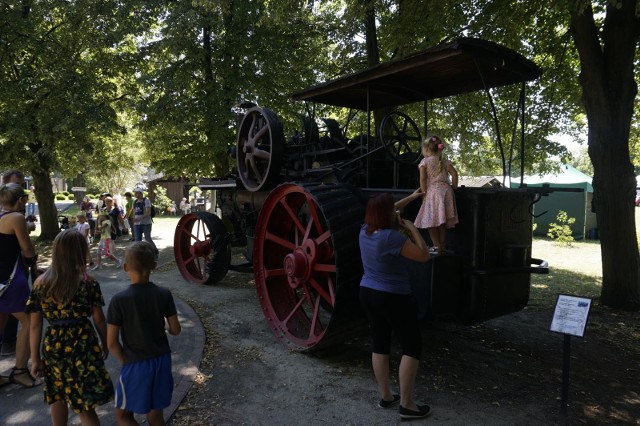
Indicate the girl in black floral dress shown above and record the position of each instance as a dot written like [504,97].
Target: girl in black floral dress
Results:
[72,360]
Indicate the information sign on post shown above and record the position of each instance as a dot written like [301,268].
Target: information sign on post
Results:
[571,314]
[569,318]
[79,189]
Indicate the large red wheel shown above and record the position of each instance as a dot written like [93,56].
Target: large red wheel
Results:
[259,150]
[201,248]
[307,264]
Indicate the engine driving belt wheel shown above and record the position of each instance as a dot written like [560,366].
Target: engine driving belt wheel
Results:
[401,137]
[259,150]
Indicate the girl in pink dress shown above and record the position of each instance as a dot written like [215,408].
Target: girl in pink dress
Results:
[438,211]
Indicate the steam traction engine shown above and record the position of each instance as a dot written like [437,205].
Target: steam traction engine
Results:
[297,203]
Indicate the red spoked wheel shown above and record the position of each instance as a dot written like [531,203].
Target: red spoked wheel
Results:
[201,247]
[306,262]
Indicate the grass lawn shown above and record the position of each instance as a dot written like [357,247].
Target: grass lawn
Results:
[573,270]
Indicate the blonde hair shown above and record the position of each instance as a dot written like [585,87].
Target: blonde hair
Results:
[10,193]
[68,262]
[432,144]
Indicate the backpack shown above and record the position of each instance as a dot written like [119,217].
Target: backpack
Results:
[153,210]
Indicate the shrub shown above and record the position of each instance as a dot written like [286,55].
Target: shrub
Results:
[61,197]
[162,202]
[561,231]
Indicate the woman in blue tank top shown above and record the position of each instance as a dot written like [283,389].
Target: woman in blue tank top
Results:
[385,294]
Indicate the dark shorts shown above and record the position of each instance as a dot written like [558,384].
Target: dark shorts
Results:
[145,385]
[389,314]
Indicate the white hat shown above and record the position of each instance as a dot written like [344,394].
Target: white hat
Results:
[138,190]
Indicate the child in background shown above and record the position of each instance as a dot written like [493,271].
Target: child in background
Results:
[138,316]
[104,246]
[438,211]
[72,362]
[84,229]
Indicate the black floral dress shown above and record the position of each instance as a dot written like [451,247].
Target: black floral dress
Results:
[74,370]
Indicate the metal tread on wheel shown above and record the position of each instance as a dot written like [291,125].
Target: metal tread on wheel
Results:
[307,263]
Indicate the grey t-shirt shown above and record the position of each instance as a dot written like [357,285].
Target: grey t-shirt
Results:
[138,210]
[140,312]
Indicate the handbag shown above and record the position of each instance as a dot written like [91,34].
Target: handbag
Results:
[5,285]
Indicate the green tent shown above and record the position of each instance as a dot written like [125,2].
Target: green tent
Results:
[576,204]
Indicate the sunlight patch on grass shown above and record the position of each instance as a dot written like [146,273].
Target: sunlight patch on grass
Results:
[545,288]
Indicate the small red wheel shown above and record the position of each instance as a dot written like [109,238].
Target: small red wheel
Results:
[201,248]
[305,271]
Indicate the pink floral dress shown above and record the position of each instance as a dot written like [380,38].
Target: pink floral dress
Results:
[439,203]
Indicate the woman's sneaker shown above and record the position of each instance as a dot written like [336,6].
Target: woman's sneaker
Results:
[406,414]
[387,404]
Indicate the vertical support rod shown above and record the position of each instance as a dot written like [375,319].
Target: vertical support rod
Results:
[368,137]
[522,118]
[566,366]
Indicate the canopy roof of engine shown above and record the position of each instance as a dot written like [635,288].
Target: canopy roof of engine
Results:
[461,66]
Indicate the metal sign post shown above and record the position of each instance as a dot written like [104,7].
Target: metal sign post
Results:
[569,318]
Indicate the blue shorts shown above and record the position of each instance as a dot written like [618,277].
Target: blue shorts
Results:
[145,385]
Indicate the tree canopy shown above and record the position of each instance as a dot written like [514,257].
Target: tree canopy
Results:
[64,70]
[97,80]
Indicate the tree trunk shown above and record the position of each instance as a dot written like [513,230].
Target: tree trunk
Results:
[46,206]
[609,90]
[79,181]
[373,54]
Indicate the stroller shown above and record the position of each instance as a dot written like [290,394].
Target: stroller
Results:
[63,221]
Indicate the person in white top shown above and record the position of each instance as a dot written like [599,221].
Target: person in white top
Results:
[84,229]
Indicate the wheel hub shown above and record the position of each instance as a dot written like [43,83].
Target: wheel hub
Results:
[298,265]
[200,248]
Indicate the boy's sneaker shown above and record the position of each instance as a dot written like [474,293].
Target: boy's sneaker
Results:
[119,263]
[387,404]
[95,268]
[406,414]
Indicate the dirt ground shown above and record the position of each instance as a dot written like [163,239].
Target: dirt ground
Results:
[506,371]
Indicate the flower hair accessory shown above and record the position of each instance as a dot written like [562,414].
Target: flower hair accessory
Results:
[440,146]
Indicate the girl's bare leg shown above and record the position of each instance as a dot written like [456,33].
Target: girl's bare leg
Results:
[435,237]
[89,418]
[442,234]
[59,413]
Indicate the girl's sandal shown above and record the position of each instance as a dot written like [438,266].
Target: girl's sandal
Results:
[4,381]
[26,382]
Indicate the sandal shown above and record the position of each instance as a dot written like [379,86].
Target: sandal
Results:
[31,381]
[4,381]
